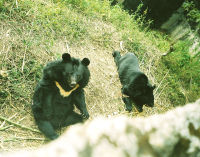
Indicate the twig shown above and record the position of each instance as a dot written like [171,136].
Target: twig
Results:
[21,138]
[1,126]
[161,81]
[23,62]
[67,46]
[121,45]
[16,4]
[157,96]
[4,128]
[18,125]
[171,49]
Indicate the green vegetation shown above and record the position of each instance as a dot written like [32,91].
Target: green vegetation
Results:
[184,70]
[192,9]
[33,32]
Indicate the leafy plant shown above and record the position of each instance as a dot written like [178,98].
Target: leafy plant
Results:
[192,10]
[185,70]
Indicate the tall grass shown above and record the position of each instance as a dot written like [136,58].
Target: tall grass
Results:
[184,71]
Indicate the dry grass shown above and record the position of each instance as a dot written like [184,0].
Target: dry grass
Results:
[103,94]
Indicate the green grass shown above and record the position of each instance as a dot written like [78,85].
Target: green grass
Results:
[185,70]
[193,13]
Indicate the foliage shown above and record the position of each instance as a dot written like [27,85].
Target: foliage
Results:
[192,9]
[185,70]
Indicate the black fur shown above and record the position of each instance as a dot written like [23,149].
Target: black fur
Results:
[51,110]
[135,84]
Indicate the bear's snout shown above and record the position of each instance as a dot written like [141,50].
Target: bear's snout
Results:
[73,82]
[150,104]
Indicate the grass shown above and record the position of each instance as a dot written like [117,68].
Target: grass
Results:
[184,70]
[192,12]
[35,32]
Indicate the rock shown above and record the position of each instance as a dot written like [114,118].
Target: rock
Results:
[175,133]
[178,28]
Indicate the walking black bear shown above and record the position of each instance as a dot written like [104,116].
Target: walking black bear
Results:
[60,88]
[135,85]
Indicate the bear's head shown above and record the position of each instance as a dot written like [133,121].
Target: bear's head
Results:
[68,71]
[140,90]
[75,72]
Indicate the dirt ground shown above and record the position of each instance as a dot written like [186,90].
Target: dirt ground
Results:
[103,93]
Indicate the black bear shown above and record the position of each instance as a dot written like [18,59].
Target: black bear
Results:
[135,84]
[60,88]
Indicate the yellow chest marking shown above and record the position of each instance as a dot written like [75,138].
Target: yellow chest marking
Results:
[63,92]
[125,96]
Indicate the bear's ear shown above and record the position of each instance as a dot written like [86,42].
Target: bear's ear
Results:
[152,87]
[47,74]
[85,61]
[66,57]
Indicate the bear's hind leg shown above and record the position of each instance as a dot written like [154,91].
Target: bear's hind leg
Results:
[139,107]
[128,103]
[73,118]
[46,128]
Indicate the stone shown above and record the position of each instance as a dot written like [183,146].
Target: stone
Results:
[174,133]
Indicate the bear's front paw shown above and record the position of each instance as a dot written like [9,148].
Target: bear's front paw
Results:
[53,137]
[85,115]
[128,107]
[139,108]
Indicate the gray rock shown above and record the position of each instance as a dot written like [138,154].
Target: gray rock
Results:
[179,29]
[173,134]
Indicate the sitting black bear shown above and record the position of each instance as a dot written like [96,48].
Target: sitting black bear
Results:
[60,88]
[135,85]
